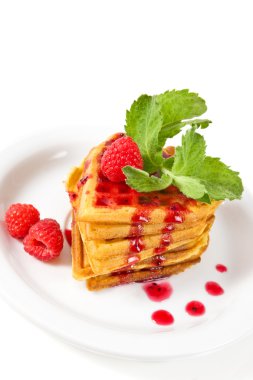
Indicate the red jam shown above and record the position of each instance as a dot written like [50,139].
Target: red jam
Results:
[195,308]
[221,268]
[83,181]
[158,292]
[162,317]
[176,213]
[214,289]
[72,196]
[141,216]
[157,261]
[68,236]
[136,244]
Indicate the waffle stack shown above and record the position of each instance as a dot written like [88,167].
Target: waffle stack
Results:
[121,236]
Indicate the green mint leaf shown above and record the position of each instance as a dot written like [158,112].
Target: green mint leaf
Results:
[168,163]
[205,199]
[175,107]
[180,105]
[220,181]
[189,156]
[143,124]
[142,182]
[173,129]
[192,187]
[199,123]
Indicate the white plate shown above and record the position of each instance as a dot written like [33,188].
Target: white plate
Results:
[118,321]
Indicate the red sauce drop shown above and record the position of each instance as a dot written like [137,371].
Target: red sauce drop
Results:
[158,260]
[136,244]
[168,228]
[158,292]
[164,243]
[72,196]
[83,181]
[176,213]
[68,236]
[141,216]
[162,317]
[221,268]
[214,289]
[195,308]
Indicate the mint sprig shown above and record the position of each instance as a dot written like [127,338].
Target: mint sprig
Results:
[150,121]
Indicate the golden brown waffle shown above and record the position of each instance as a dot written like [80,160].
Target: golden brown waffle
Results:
[107,256]
[189,251]
[121,236]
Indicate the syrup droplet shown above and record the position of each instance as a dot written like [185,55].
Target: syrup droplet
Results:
[214,289]
[158,292]
[141,216]
[158,260]
[72,196]
[136,245]
[68,236]
[195,308]
[162,317]
[221,268]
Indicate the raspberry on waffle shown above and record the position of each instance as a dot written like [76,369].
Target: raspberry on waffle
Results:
[116,203]
[117,229]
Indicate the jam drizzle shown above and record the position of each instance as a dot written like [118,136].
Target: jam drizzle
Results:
[162,317]
[175,213]
[213,288]
[158,292]
[136,243]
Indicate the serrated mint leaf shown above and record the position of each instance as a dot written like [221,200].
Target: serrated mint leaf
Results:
[180,105]
[142,182]
[220,181]
[177,106]
[173,129]
[143,124]
[191,187]
[189,156]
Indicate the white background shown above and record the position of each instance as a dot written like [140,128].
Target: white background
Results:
[82,63]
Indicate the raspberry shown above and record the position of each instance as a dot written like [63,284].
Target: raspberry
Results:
[45,240]
[122,152]
[19,218]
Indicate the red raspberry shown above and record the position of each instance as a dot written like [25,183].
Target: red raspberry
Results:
[19,218]
[45,240]
[122,152]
